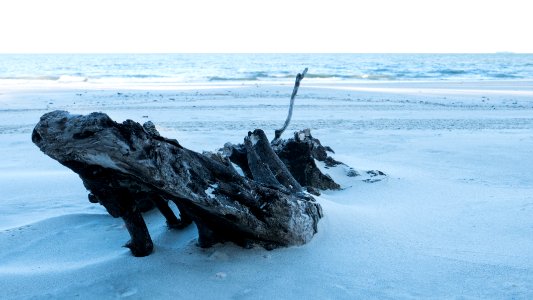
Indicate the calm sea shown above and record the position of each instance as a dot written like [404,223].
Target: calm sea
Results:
[190,68]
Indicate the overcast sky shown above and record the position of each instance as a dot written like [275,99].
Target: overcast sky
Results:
[265,26]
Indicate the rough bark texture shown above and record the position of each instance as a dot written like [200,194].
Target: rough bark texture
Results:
[297,156]
[129,168]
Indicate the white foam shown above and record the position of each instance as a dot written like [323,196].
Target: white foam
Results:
[70,78]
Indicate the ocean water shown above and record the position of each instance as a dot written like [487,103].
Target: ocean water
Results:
[192,68]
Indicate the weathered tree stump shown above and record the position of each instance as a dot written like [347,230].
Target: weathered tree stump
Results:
[297,155]
[129,168]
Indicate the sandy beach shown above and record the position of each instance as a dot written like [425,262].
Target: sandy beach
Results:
[451,220]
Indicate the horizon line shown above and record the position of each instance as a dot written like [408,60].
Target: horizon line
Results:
[233,53]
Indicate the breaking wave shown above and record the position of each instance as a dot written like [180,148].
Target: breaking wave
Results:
[58,78]
[218,78]
[71,78]
[243,76]
[49,77]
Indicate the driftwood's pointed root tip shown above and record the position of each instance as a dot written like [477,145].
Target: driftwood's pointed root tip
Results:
[139,250]
[303,73]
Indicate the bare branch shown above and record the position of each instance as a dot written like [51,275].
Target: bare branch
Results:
[279,132]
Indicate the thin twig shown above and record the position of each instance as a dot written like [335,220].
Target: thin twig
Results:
[279,132]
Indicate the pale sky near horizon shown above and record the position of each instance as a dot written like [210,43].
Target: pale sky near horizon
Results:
[146,26]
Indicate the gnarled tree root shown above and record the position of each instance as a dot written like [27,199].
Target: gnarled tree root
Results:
[129,168]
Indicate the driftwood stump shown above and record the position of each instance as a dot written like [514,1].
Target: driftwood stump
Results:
[128,168]
[297,156]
